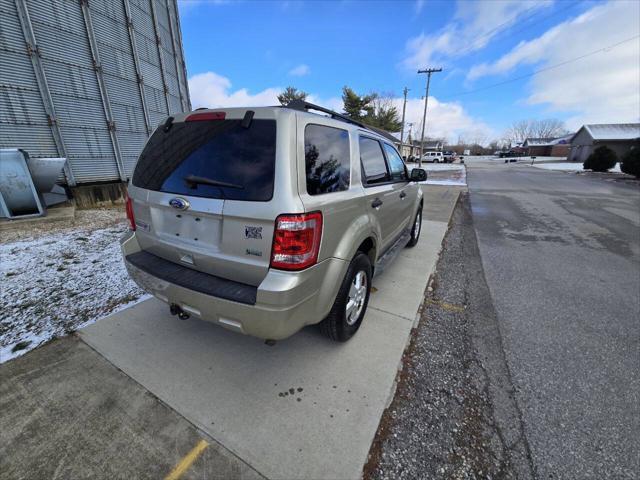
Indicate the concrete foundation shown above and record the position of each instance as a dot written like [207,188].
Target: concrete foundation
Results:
[99,195]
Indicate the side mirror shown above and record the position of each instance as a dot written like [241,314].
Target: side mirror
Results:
[418,175]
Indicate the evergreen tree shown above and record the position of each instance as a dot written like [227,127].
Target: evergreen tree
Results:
[356,106]
[373,109]
[290,94]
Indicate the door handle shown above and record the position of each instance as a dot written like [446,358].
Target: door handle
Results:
[402,195]
[377,203]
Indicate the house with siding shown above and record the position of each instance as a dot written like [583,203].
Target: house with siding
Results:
[619,137]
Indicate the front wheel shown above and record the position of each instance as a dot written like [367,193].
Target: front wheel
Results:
[350,305]
[416,229]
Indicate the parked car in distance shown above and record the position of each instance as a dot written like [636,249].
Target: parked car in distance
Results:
[268,219]
[449,156]
[510,153]
[433,157]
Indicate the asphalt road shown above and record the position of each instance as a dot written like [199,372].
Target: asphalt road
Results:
[561,256]
[453,415]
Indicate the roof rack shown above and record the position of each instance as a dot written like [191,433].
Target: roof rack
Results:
[306,106]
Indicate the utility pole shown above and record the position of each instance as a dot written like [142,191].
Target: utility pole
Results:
[410,139]
[404,108]
[428,71]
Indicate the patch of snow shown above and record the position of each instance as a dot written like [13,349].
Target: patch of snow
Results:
[437,167]
[57,282]
[453,174]
[27,342]
[457,183]
[570,167]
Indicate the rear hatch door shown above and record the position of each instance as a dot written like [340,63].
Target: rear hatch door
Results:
[186,172]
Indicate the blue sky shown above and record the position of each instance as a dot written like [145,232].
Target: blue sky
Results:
[243,53]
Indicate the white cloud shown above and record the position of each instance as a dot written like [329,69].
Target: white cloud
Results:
[212,90]
[599,88]
[473,26]
[418,6]
[444,120]
[332,103]
[300,71]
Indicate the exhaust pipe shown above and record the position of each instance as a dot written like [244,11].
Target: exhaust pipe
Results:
[176,310]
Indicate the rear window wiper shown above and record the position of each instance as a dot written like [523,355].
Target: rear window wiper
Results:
[193,181]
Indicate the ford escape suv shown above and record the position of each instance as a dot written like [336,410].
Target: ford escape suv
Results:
[268,219]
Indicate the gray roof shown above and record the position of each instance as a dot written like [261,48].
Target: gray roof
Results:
[612,131]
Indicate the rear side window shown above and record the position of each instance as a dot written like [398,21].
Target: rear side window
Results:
[372,159]
[396,165]
[216,150]
[327,159]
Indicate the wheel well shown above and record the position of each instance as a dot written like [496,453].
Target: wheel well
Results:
[369,247]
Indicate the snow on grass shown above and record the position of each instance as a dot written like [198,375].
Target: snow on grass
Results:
[570,167]
[28,342]
[57,282]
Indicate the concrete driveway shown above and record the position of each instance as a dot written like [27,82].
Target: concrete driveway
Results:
[304,408]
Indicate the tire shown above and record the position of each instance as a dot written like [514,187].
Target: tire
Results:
[416,229]
[338,325]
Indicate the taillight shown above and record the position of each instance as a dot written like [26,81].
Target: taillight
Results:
[129,208]
[205,116]
[296,241]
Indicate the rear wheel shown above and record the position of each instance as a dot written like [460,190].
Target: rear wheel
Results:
[416,229]
[350,305]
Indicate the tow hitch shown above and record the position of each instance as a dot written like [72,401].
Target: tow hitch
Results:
[176,310]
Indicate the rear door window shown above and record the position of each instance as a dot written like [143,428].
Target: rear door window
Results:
[327,159]
[396,165]
[373,163]
[217,150]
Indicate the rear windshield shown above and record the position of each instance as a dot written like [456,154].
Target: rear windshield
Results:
[217,150]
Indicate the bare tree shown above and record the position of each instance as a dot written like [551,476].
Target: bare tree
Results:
[523,129]
[478,137]
[519,131]
[549,128]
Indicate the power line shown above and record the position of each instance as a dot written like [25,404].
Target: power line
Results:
[550,67]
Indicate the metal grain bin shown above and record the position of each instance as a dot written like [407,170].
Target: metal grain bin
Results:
[89,80]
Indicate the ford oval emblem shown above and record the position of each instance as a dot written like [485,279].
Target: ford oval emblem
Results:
[179,203]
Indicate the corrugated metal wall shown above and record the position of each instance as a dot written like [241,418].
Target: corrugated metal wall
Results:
[89,80]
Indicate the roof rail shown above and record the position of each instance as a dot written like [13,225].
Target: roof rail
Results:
[305,106]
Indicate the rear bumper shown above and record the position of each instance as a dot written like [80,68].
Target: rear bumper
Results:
[284,301]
